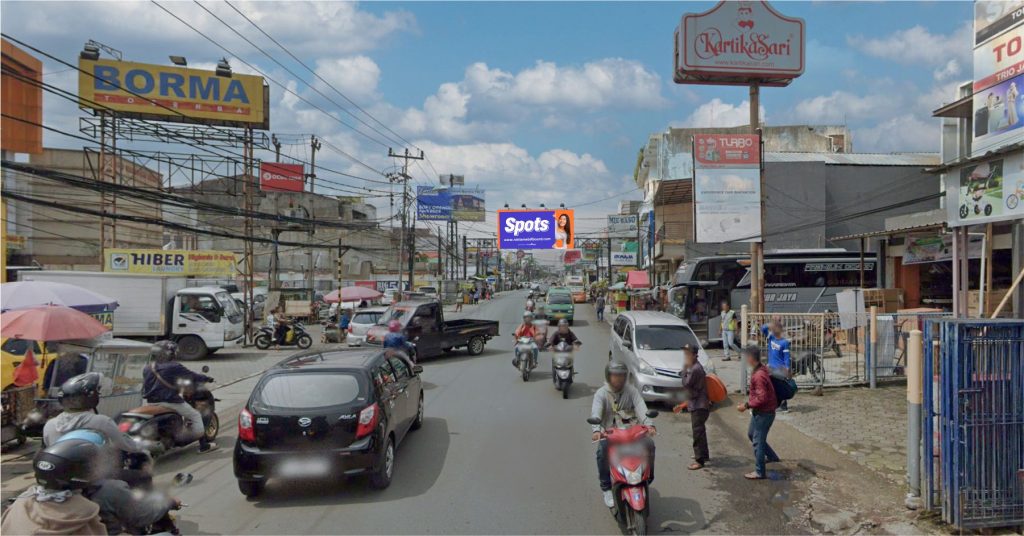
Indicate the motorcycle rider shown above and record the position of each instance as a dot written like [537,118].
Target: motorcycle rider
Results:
[160,387]
[564,334]
[56,505]
[617,403]
[79,397]
[527,329]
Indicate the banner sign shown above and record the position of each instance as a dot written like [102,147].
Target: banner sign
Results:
[991,191]
[572,256]
[278,177]
[453,180]
[170,262]
[433,204]
[736,42]
[623,258]
[171,92]
[536,229]
[618,224]
[1000,59]
[727,187]
[998,116]
[992,17]
[468,204]
[937,248]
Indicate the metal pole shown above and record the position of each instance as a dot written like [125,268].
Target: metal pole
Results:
[873,360]
[914,399]
[757,248]
[745,326]
[465,257]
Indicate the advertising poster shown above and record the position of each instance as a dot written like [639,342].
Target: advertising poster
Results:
[572,256]
[536,229]
[433,203]
[1000,59]
[468,204]
[727,188]
[623,258]
[622,225]
[278,177]
[992,17]
[937,248]
[986,192]
[170,262]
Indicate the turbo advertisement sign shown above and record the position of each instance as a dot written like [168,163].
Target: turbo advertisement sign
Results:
[171,92]
[727,187]
[536,229]
[278,177]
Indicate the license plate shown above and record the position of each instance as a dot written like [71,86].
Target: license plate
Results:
[304,468]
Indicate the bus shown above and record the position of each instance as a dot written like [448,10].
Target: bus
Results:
[796,281]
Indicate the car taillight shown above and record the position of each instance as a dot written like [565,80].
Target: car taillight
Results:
[246,431]
[368,419]
[124,426]
[350,328]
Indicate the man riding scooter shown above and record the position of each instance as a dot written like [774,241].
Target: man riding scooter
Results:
[564,334]
[527,329]
[617,404]
[160,387]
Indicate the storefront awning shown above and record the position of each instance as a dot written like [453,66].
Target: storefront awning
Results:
[637,279]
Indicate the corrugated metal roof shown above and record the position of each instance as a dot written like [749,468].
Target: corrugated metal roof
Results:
[858,159]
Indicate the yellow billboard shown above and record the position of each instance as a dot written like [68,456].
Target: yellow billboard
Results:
[169,262]
[170,92]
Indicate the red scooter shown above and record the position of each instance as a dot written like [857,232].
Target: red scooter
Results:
[632,469]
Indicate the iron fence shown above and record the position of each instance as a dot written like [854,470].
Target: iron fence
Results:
[889,358]
[825,350]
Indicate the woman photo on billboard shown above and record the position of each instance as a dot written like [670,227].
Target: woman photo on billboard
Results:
[563,231]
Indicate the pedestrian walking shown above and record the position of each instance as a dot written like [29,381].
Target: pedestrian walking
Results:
[779,363]
[761,403]
[599,305]
[460,300]
[729,331]
[695,384]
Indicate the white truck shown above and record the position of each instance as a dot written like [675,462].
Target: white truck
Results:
[201,320]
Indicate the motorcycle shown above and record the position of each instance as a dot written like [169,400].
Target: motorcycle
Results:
[295,336]
[157,428]
[527,348]
[631,464]
[562,367]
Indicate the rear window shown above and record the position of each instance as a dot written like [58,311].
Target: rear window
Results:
[559,298]
[366,318]
[309,390]
[664,337]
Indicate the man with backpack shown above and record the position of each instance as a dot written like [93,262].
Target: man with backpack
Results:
[779,362]
[762,403]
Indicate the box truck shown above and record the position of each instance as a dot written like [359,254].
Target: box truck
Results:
[201,320]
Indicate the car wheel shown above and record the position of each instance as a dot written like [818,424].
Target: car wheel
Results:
[305,341]
[191,348]
[251,488]
[381,479]
[476,346]
[263,341]
[418,423]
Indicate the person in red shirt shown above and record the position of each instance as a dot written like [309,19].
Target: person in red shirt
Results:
[527,329]
[762,403]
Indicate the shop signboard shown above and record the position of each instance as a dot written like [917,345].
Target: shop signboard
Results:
[452,180]
[433,204]
[622,225]
[992,17]
[937,248]
[989,191]
[572,256]
[171,93]
[623,258]
[468,204]
[202,263]
[536,229]
[279,177]
[736,43]
[1000,59]
[727,188]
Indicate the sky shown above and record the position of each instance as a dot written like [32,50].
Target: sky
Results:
[535,102]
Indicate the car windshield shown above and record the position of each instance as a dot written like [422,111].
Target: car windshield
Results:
[559,299]
[366,318]
[309,390]
[230,307]
[664,337]
[401,314]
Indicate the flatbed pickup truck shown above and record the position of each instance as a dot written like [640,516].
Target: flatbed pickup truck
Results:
[424,325]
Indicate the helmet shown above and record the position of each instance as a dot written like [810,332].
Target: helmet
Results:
[615,367]
[563,322]
[527,314]
[66,465]
[81,393]
[394,326]
[163,351]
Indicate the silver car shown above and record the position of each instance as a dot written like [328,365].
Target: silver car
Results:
[650,344]
[361,321]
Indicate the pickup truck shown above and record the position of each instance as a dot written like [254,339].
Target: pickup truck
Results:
[424,325]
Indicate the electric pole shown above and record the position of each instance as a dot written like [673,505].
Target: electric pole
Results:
[404,178]
[314,145]
[277,147]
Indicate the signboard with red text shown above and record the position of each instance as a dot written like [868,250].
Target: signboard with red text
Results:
[727,187]
[278,177]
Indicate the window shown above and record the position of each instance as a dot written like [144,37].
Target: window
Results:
[308,390]
[400,367]
[559,299]
[18,347]
[366,318]
[383,375]
[627,332]
[620,326]
[664,338]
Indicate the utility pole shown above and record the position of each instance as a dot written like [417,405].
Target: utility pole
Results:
[465,257]
[277,147]
[314,145]
[757,247]
[439,256]
[249,254]
[404,178]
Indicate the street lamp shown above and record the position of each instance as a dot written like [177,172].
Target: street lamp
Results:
[506,205]
[90,52]
[224,68]
[179,60]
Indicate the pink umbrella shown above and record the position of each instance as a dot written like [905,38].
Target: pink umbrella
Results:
[348,294]
[49,323]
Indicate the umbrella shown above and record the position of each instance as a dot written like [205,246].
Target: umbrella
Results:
[49,323]
[355,294]
[25,294]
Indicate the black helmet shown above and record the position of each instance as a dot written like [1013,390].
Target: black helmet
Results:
[615,367]
[81,393]
[66,465]
[163,351]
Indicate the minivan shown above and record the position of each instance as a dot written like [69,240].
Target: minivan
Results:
[650,343]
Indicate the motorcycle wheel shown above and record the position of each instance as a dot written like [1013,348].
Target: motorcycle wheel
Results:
[262,341]
[565,391]
[304,341]
[636,521]
[526,374]
[213,428]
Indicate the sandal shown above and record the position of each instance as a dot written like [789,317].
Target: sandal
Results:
[695,465]
[753,476]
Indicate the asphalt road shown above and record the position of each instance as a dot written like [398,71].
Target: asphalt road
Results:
[495,456]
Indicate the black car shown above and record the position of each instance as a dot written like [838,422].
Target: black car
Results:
[320,414]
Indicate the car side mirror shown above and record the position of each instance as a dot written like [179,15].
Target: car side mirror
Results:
[594,420]
[652,413]
[417,369]
[205,369]
[627,344]
[705,342]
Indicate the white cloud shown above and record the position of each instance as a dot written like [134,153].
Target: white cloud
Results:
[842,107]
[902,133]
[355,76]
[716,113]
[949,70]
[917,45]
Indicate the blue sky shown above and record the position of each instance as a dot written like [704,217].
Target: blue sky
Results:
[537,102]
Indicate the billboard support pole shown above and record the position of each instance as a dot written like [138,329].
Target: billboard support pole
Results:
[757,248]
[247,154]
[610,282]
[465,257]
[404,178]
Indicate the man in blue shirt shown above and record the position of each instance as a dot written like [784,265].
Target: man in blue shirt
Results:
[778,352]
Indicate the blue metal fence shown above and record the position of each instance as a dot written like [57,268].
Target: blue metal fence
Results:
[974,411]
